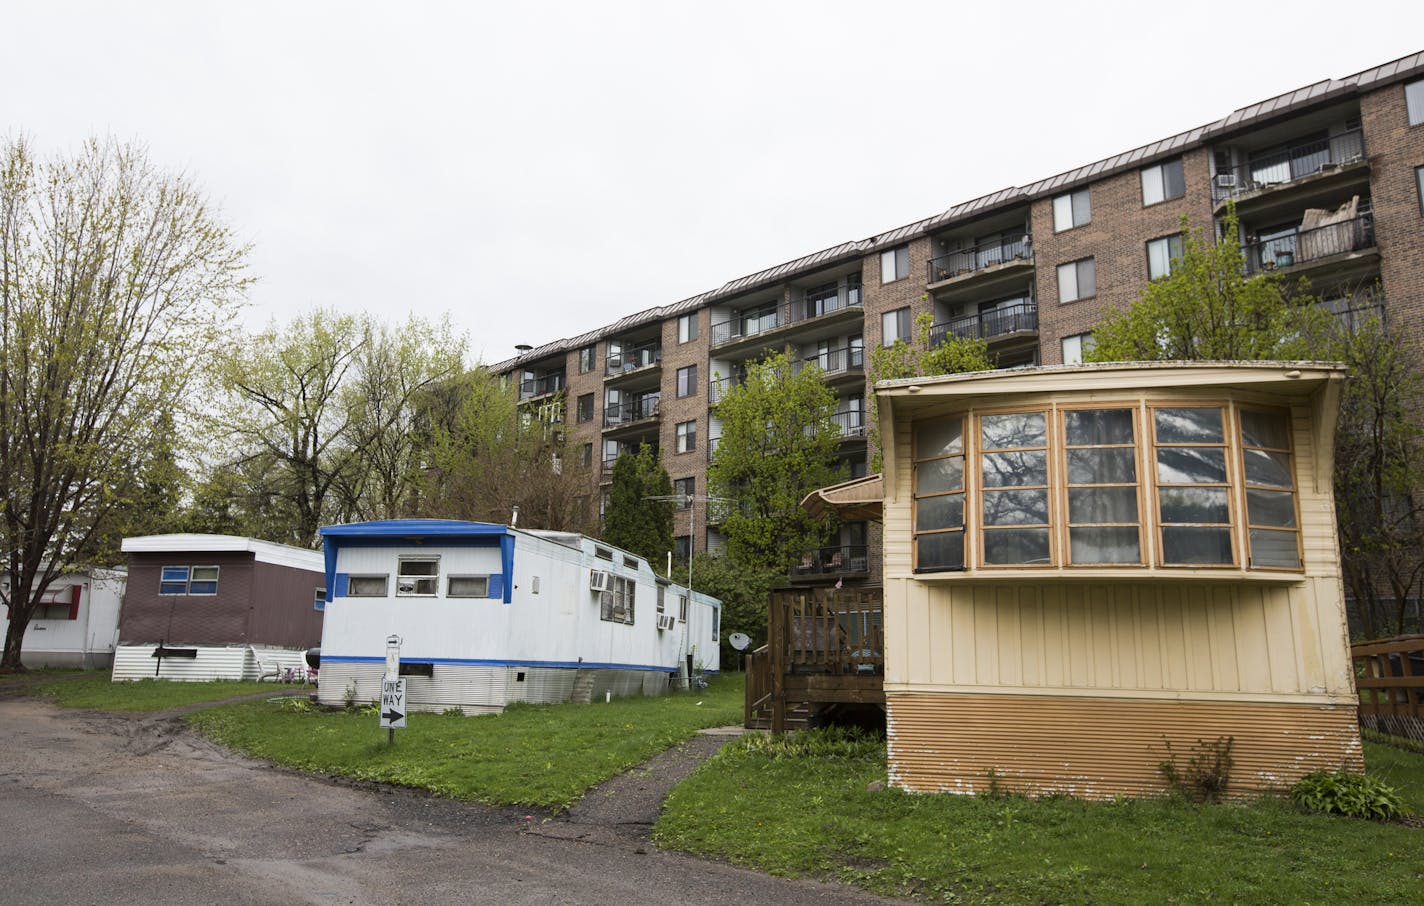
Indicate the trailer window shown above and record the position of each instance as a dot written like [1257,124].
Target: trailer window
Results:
[366,586]
[468,587]
[418,577]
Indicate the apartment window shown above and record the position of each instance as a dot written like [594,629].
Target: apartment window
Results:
[1072,210]
[1077,280]
[188,580]
[588,456]
[662,597]
[1161,253]
[895,325]
[366,586]
[585,407]
[586,359]
[939,495]
[467,587]
[1273,531]
[616,604]
[853,284]
[895,264]
[1419,184]
[687,381]
[418,577]
[1414,100]
[1163,182]
[1075,347]
[686,436]
[684,488]
[687,328]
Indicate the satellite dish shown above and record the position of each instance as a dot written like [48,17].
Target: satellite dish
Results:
[740,640]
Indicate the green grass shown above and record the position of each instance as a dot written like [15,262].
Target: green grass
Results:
[532,755]
[799,814]
[1401,769]
[145,695]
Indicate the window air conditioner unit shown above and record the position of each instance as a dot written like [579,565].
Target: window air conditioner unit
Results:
[1226,180]
[666,621]
[598,580]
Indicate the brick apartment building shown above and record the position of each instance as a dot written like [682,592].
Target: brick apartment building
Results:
[1328,182]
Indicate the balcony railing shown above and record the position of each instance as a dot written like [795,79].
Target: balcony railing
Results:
[1353,312]
[834,361]
[631,411]
[1021,317]
[712,443]
[1310,245]
[851,423]
[549,383]
[748,325]
[718,388]
[978,258]
[1289,165]
[631,358]
[833,561]
[807,309]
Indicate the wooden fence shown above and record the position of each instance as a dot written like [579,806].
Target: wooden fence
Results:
[1390,676]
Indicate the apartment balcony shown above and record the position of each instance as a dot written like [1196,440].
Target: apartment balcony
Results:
[1337,158]
[540,387]
[1355,311]
[844,561]
[778,320]
[847,361]
[1313,249]
[633,413]
[980,262]
[1017,320]
[643,360]
[852,424]
[712,443]
[718,388]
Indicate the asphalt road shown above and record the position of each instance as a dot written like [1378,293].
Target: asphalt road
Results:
[101,808]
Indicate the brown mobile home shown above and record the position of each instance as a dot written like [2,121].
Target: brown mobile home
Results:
[1082,564]
[236,603]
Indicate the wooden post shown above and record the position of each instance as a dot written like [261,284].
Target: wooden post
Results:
[777,641]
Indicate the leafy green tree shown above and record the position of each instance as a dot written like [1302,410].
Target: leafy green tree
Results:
[778,444]
[116,282]
[632,521]
[1379,479]
[1207,308]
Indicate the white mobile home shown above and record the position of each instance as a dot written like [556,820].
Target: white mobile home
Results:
[490,615]
[77,623]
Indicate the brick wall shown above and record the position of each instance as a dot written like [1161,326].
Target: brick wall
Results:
[1395,148]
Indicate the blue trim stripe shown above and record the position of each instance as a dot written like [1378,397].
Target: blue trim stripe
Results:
[479,662]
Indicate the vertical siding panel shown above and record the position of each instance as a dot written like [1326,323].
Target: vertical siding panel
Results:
[1009,651]
[1174,636]
[941,634]
[961,605]
[1100,637]
[1055,636]
[1253,663]
[986,634]
[1078,651]
[917,624]
[1224,672]
[1031,635]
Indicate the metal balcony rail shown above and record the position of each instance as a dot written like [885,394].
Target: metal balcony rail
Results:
[1290,164]
[631,411]
[1021,317]
[1353,312]
[851,423]
[747,325]
[1310,245]
[718,388]
[631,358]
[807,309]
[978,258]
[549,383]
[834,361]
[830,561]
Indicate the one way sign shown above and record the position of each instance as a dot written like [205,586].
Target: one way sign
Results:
[393,703]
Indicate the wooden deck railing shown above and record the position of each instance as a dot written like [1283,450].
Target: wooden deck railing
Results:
[1390,676]
[823,645]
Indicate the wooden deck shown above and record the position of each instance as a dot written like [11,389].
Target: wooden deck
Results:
[1390,676]
[824,648]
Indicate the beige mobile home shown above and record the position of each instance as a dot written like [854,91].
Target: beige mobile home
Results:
[1084,563]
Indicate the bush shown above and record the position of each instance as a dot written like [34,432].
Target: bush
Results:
[1206,773]
[1351,795]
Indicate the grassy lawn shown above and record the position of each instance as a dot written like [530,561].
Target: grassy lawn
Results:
[794,813]
[145,695]
[532,755]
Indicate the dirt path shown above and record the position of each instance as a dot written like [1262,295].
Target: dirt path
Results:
[97,807]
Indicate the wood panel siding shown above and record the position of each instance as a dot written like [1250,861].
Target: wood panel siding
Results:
[1098,748]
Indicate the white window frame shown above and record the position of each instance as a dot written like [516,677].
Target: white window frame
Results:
[890,326]
[189,580]
[1155,182]
[686,433]
[895,264]
[1071,279]
[1157,249]
[1414,102]
[418,580]
[1069,207]
[686,381]
[1075,346]
[687,328]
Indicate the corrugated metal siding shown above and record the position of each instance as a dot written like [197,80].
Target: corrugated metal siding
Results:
[1097,748]
[225,662]
[482,690]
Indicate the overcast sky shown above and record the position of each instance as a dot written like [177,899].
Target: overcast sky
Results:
[540,169]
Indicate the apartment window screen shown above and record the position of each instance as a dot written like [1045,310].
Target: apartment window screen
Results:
[1193,488]
[939,495]
[1013,493]
[1100,468]
[1273,531]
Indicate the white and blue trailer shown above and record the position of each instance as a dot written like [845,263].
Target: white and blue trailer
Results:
[489,614]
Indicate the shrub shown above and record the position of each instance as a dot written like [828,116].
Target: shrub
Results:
[1351,795]
[1206,773]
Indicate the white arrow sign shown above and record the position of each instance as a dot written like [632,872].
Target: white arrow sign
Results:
[393,702]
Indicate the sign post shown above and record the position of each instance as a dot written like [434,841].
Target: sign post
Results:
[393,710]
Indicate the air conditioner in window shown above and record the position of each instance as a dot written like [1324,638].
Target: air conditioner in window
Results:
[666,621]
[1226,180]
[598,580]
